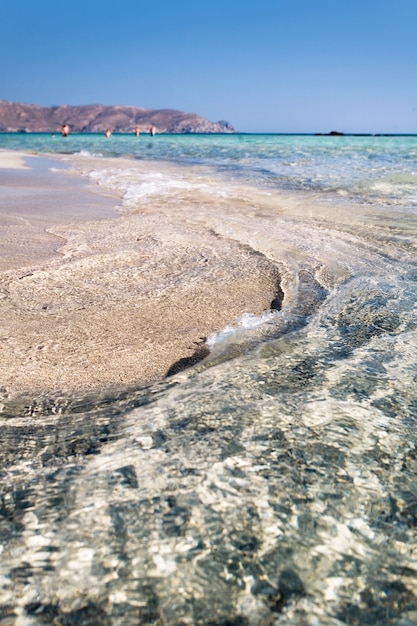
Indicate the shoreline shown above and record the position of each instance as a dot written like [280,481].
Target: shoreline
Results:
[34,199]
[116,299]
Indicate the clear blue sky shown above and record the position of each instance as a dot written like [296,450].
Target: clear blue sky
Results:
[263,65]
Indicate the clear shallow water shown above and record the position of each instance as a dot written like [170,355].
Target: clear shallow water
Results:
[371,168]
[275,482]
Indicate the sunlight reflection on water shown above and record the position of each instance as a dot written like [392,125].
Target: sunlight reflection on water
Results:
[273,483]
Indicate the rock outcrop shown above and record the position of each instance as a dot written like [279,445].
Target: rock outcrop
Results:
[333,133]
[95,118]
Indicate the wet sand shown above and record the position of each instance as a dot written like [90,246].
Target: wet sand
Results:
[92,298]
[33,199]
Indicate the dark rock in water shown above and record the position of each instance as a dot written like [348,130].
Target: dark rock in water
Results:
[94,118]
[333,133]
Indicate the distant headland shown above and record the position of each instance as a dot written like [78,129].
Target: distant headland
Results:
[95,118]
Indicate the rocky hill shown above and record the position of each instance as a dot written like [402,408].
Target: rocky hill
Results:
[95,118]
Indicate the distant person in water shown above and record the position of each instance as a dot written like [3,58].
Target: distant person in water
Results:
[65,130]
[137,131]
[108,133]
[152,130]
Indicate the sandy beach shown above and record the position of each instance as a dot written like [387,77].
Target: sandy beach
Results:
[259,486]
[95,298]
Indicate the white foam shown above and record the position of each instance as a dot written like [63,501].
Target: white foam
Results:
[88,153]
[137,186]
[246,322]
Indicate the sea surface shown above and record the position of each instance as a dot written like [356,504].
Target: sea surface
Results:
[275,482]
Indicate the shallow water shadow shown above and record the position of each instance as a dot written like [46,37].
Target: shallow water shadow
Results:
[276,304]
[182,364]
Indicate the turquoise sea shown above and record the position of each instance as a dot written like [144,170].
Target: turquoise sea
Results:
[370,168]
[276,481]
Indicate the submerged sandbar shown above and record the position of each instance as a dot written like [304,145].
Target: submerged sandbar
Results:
[95,298]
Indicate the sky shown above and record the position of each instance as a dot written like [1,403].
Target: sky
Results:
[289,66]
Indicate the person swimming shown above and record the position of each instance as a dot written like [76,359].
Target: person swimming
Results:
[108,133]
[65,130]
[152,130]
